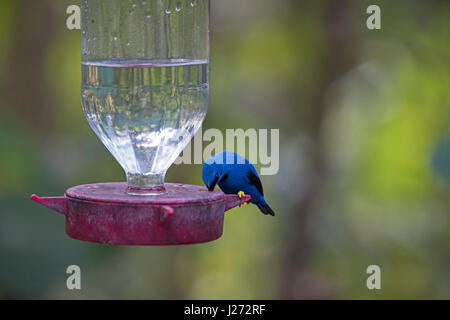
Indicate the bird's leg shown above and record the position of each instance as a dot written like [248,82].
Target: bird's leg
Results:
[241,195]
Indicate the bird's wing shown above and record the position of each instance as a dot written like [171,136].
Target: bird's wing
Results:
[254,180]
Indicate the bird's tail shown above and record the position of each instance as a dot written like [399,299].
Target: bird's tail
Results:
[264,207]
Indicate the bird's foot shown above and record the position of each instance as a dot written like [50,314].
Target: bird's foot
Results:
[241,195]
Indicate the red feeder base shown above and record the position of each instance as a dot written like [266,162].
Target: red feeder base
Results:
[105,213]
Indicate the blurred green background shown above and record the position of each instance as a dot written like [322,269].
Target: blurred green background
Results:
[364,156]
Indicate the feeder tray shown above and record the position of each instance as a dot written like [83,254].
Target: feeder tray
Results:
[105,213]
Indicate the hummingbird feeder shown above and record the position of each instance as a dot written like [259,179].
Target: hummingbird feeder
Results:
[145,92]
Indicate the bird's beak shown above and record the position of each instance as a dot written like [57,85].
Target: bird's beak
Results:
[213,184]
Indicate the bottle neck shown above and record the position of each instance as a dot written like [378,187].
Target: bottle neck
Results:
[140,184]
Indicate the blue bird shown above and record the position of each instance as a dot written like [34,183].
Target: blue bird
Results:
[235,175]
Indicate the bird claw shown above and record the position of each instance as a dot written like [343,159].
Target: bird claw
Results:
[241,195]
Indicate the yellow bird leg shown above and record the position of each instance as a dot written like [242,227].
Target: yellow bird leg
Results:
[241,195]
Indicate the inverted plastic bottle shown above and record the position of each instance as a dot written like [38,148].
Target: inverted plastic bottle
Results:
[145,81]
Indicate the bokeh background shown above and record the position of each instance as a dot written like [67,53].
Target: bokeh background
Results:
[364,156]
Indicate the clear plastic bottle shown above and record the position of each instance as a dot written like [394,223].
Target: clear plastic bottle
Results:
[145,81]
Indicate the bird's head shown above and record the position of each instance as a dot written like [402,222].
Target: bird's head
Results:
[212,173]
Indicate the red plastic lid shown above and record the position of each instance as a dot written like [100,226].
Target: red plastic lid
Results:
[114,192]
